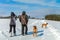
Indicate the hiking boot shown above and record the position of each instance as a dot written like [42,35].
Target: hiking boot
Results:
[26,34]
[22,34]
[14,34]
[10,34]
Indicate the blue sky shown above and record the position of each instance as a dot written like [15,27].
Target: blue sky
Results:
[35,8]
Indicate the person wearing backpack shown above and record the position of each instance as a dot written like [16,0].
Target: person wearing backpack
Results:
[24,21]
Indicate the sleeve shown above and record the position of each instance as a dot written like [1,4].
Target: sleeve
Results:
[16,17]
[26,18]
[19,18]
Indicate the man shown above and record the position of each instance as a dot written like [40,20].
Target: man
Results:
[24,20]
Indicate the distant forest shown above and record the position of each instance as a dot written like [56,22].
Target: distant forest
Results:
[4,17]
[7,17]
[53,17]
[47,17]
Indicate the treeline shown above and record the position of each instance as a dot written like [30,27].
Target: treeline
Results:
[7,17]
[53,17]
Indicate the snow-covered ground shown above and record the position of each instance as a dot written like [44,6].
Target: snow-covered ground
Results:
[52,31]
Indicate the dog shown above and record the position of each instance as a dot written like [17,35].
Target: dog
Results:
[34,31]
[44,25]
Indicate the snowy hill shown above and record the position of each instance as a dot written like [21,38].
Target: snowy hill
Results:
[52,31]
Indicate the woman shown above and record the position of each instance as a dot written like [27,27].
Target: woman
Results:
[13,23]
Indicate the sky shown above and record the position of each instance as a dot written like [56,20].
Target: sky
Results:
[34,8]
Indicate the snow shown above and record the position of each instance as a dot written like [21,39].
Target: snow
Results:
[52,31]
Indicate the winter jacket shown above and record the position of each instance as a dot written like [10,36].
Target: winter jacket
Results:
[23,19]
[13,20]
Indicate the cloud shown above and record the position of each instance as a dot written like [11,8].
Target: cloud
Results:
[9,5]
[44,11]
[40,2]
[15,8]
[35,8]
